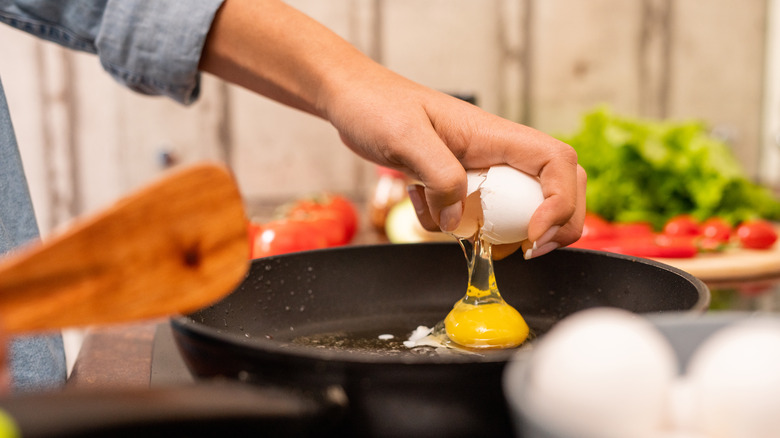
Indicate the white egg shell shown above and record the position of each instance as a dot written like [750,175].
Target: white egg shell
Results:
[472,210]
[735,381]
[680,405]
[603,373]
[502,199]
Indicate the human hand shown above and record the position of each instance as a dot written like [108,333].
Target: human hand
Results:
[269,47]
[434,138]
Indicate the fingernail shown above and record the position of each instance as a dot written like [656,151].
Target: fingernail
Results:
[547,236]
[449,218]
[544,244]
[542,250]
[529,253]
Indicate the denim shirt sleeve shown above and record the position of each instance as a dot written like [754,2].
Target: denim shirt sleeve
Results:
[150,46]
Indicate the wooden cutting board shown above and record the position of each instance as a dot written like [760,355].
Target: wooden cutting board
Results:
[732,264]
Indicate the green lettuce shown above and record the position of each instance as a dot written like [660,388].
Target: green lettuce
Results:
[647,170]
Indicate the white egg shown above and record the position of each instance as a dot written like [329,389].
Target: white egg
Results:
[502,200]
[680,405]
[601,373]
[735,381]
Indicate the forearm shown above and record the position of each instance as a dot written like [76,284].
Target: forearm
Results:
[273,49]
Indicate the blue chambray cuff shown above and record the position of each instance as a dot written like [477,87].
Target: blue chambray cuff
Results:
[153,47]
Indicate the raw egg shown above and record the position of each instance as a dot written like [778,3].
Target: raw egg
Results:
[499,205]
[494,325]
[482,319]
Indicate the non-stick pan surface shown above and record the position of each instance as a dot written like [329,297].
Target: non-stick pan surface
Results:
[312,320]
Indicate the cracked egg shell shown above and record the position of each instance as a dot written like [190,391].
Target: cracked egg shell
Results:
[502,199]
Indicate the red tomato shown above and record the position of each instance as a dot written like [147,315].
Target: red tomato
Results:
[682,225]
[287,235]
[635,239]
[633,229]
[348,213]
[648,245]
[756,234]
[710,244]
[328,224]
[716,229]
[596,228]
[331,205]
[677,246]
[659,245]
[253,230]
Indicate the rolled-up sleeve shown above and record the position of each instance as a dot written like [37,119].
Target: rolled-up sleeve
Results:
[150,46]
[154,46]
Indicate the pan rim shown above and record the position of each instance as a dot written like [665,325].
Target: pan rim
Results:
[703,301]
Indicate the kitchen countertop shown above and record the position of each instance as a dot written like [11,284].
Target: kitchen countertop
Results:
[120,356]
[115,357]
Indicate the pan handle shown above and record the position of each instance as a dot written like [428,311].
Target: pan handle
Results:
[220,408]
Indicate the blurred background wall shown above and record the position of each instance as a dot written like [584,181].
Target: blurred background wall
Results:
[86,140]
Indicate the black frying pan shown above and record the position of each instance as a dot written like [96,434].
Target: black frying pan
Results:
[310,321]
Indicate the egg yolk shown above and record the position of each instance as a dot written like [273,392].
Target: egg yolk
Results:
[482,319]
[494,325]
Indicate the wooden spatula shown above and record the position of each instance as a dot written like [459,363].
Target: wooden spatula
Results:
[174,246]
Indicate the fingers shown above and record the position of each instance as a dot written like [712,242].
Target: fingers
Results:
[394,129]
[417,196]
[435,138]
[443,178]
[558,220]
[562,183]
[557,236]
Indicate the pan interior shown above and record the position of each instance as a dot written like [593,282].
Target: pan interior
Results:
[342,300]
[385,335]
